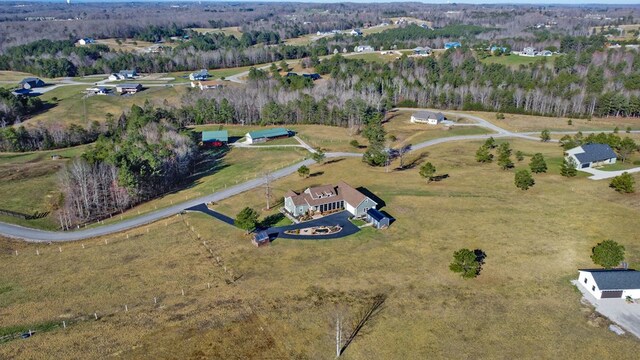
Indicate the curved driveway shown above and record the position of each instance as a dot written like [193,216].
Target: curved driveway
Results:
[34,235]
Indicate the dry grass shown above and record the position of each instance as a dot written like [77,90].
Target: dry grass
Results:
[70,104]
[126,45]
[16,76]
[528,123]
[286,301]
[232,30]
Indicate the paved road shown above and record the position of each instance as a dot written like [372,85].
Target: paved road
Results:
[34,235]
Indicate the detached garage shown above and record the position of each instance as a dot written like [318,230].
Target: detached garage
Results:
[611,284]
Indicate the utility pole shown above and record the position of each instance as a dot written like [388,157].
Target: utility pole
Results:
[267,189]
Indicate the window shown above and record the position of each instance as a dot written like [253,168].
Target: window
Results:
[585,280]
[593,288]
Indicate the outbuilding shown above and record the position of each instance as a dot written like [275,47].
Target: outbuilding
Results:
[610,283]
[128,88]
[266,135]
[215,138]
[199,75]
[378,218]
[452,45]
[260,239]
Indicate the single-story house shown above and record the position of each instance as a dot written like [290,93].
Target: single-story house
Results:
[314,76]
[610,284]
[427,117]
[528,51]
[328,198]
[86,41]
[128,88]
[266,135]
[378,219]
[591,155]
[31,82]
[356,32]
[209,84]
[98,90]
[128,74]
[215,138]
[363,48]
[496,48]
[260,239]
[546,53]
[422,51]
[116,76]
[199,75]
[452,45]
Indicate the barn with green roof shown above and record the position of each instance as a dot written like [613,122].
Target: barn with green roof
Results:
[215,138]
[267,134]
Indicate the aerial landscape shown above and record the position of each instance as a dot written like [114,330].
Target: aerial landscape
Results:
[309,180]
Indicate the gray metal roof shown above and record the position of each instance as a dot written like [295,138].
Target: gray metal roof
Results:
[615,279]
[424,114]
[595,152]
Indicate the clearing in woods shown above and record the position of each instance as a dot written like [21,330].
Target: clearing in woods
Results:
[282,301]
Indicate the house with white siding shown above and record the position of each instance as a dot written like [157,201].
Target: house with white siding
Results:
[591,155]
[427,117]
[610,283]
[327,199]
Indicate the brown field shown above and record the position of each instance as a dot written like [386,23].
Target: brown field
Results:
[527,123]
[285,298]
[126,45]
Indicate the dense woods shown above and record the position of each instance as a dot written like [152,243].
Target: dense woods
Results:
[144,155]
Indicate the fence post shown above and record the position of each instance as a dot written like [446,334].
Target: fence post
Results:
[95,315]
[64,325]
[182,292]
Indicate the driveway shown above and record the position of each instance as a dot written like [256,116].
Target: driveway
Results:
[601,174]
[617,310]
[341,218]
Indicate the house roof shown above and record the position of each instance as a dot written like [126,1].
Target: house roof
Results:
[29,80]
[376,214]
[128,86]
[428,115]
[202,72]
[594,153]
[615,279]
[319,195]
[268,133]
[127,72]
[260,237]
[219,135]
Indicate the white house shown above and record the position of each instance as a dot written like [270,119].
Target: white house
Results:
[355,32]
[210,84]
[591,155]
[199,75]
[363,48]
[427,117]
[86,41]
[610,284]
[328,198]
[528,51]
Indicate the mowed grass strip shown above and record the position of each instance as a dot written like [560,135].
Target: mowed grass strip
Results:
[286,302]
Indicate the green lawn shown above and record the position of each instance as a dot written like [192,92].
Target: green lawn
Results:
[619,166]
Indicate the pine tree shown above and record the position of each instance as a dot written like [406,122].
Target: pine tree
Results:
[427,170]
[504,156]
[568,168]
[537,164]
[483,155]
[523,179]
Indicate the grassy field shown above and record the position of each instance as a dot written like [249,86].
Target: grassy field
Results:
[28,179]
[375,57]
[516,61]
[126,45]
[70,104]
[16,76]
[528,123]
[285,298]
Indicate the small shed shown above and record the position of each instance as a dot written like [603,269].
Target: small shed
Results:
[215,138]
[31,82]
[260,239]
[378,219]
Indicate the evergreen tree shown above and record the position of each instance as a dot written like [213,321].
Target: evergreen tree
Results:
[504,156]
[303,171]
[568,168]
[545,135]
[427,171]
[247,219]
[607,254]
[483,155]
[623,183]
[523,179]
[519,155]
[537,164]
[318,156]
[466,263]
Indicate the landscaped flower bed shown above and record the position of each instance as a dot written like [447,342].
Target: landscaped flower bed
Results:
[316,230]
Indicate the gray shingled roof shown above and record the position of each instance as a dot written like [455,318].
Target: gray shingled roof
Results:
[616,279]
[595,152]
[424,114]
